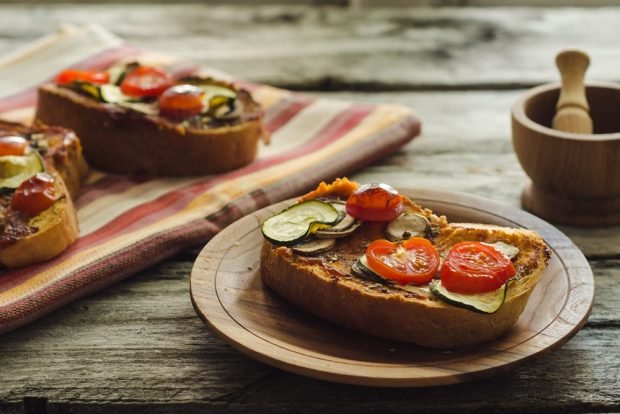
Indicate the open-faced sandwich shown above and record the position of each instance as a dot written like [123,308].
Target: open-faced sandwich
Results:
[135,119]
[370,259]
[41,169]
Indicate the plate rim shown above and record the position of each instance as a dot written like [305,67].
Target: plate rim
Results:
[516,216]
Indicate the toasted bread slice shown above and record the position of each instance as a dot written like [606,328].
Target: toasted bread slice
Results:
[124,141]
[26,240]
[325,286]
[60,147]
[55,229]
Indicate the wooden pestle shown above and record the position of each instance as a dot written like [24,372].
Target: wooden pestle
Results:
[572,108]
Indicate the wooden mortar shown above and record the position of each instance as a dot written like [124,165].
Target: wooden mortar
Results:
[575,178]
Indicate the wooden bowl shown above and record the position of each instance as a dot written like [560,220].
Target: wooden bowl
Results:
[575,178]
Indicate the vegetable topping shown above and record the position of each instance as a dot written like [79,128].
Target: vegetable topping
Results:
[69,76]
[375,202]
[14,169]
[13,145]
[34,195]
[181,101]
[146,81]
[315,246]
[473,275]
[195,101]
[408,225]
[295,223]
[474,267]
[412,261]
[485,302]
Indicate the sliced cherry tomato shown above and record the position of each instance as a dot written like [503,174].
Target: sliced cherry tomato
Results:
[473,267]
[146,81]
[71,75]
[13,145]
[375,202]
[412,261]
[181,101]
[34,195]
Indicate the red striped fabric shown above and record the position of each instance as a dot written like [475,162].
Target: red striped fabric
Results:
[131,223]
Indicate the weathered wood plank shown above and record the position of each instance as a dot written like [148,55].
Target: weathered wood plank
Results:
[347,48]
[466,146]
[140,344]
[361,3]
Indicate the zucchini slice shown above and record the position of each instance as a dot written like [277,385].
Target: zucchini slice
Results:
[408,225]
[90,89]
[345,227]
[314,246]
[14,169]
[337,234]
[118,72]
[112,94]
[297,222]
[487,302]
[360,268]
[221,106]
[506,249]
[212,91]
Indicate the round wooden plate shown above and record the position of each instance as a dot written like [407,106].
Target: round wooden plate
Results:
[229,296]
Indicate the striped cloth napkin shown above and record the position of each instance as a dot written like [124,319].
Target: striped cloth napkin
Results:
[130,223]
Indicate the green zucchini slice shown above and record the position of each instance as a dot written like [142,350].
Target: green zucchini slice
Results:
[360,268]
[506,249]
[488,302]
[406,226]
[314,247]
[90,89]
[14,169]
[214,90]
[118,72]
[297,222]
[112,94]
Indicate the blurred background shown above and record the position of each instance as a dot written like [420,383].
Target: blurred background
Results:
[349,44]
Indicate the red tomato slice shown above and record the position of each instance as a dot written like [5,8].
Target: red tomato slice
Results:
[375,202]
[146,81]
[34,195]
[473,267]
[13,145]
[412,261]
[181,101]
[71,75]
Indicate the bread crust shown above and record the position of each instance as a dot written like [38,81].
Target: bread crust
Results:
[64,151]
[119,141]
[56,227]
[414,316]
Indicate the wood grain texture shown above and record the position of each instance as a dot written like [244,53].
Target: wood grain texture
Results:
[139,344]
[229,295]
[139,347]
[123,335]
[575,179]
[326,48]
[472,153]
[143,334]
[572,108]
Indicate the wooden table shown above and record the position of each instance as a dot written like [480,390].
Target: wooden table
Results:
[139,346]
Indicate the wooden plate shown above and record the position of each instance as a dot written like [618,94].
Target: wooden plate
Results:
[229,296]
